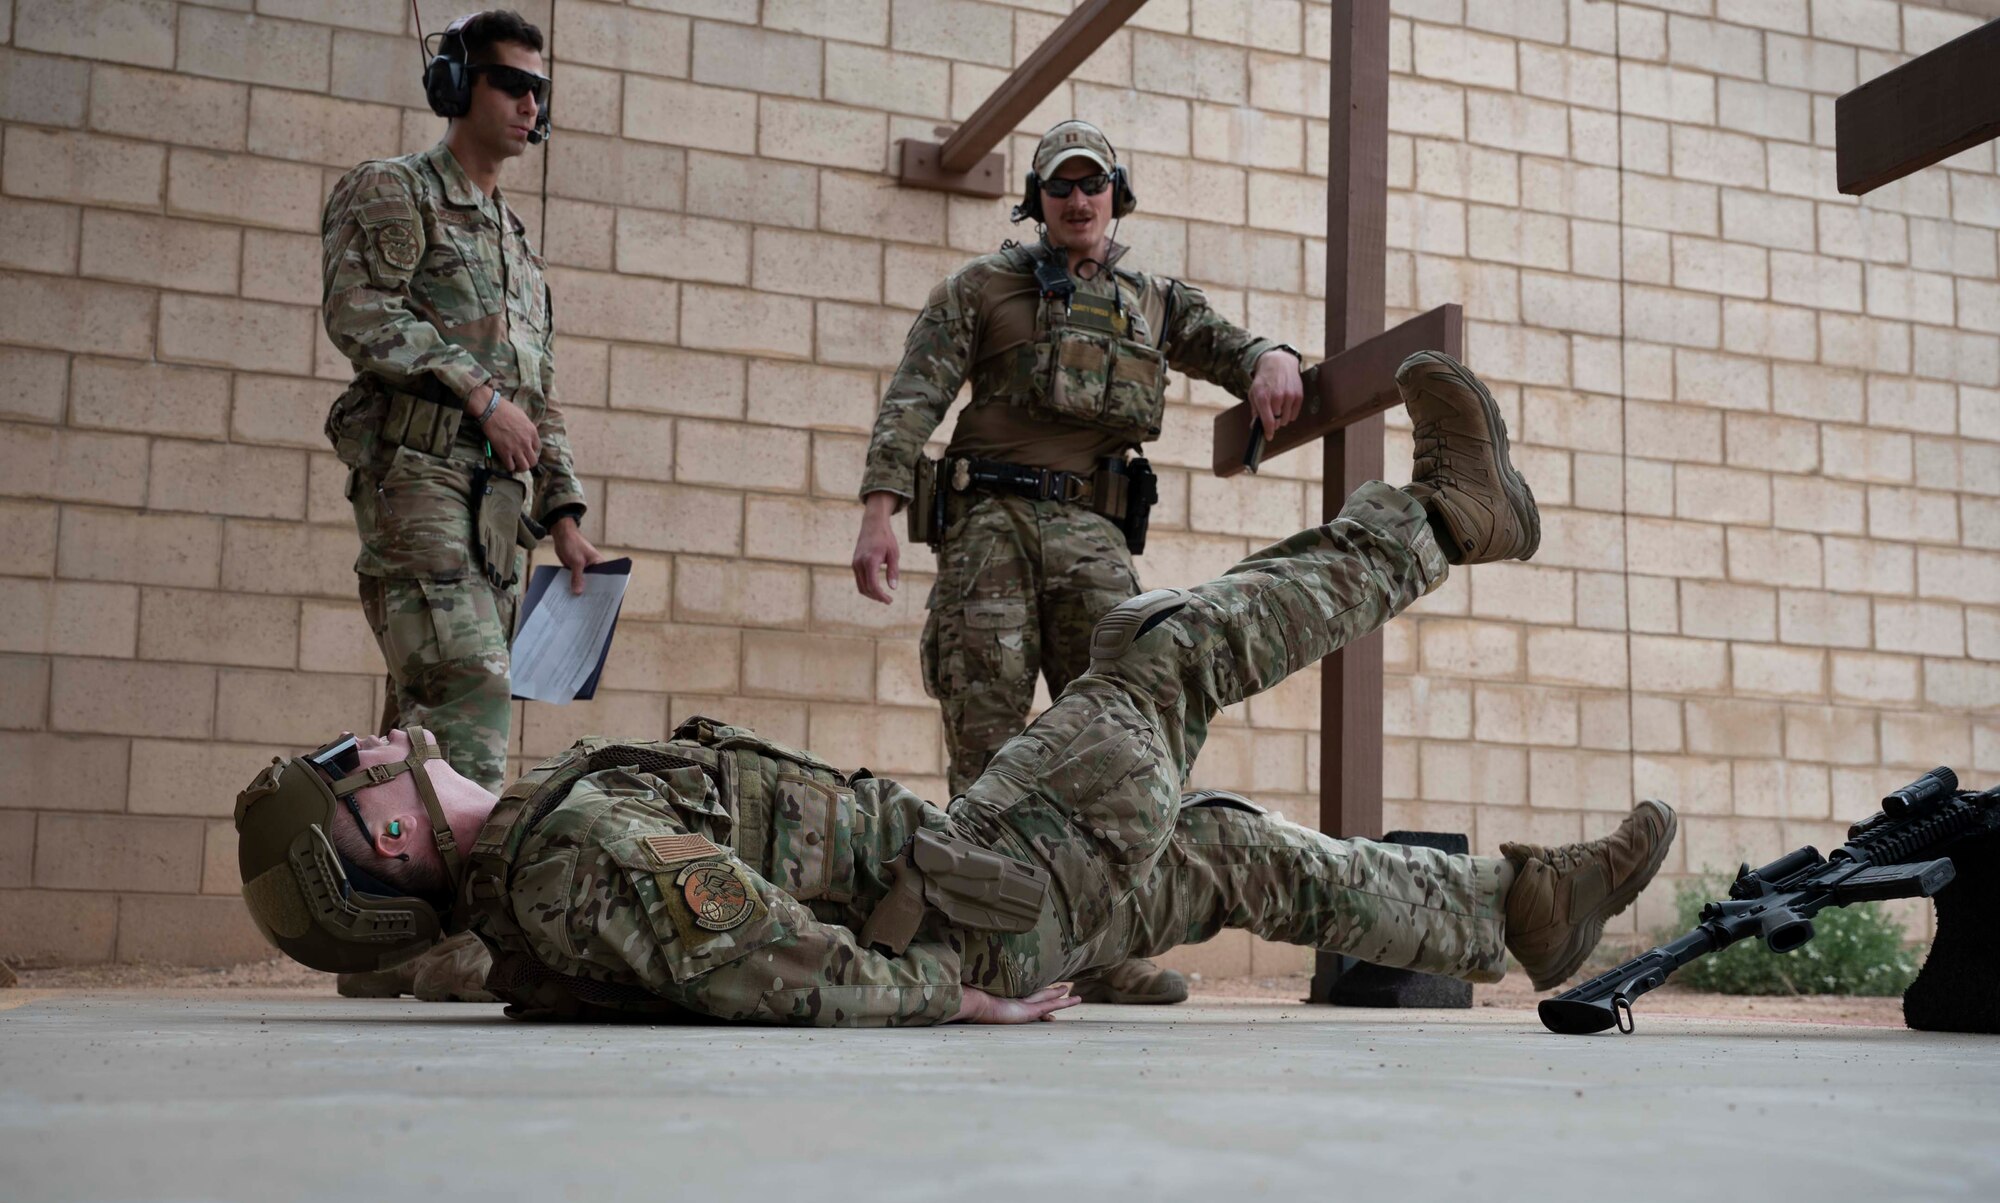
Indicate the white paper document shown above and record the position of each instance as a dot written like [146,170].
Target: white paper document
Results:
[563,640]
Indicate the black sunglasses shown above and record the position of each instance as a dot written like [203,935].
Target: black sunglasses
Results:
[1091,185]
[514,81]
[336,761]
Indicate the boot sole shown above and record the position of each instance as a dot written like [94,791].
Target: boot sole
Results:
[1591,929]
[1520,498]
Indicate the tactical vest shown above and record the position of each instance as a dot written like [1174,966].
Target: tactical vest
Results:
[1093,360]
[777,799]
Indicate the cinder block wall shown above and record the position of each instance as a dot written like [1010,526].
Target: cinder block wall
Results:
[1763,419]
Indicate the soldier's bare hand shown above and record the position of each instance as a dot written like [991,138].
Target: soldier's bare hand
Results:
[977,1006]
[574,550]
[1277,391]
[516,444]
[876,552]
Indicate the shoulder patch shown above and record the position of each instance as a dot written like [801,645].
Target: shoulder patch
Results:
[674,849]
[396,241]
[717,894]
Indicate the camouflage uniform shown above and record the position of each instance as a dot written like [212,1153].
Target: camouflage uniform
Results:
[640,890]
[1021,582]
[432,290]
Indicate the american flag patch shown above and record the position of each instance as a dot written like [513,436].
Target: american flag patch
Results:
[673,849]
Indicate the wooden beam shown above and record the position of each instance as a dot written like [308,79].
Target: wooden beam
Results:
[1360,382]
[1357,223]
[964,162]
[1928,109]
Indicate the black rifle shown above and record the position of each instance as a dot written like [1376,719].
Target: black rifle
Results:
[1899,852]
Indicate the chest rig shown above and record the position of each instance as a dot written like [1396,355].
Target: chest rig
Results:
[1094,360]
[769,792]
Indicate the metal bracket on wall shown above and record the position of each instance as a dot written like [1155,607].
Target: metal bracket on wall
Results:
[918,165]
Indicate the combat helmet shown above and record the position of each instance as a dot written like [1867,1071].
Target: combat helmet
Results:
[313,905]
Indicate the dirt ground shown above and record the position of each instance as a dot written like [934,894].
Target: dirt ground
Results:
[1512,994]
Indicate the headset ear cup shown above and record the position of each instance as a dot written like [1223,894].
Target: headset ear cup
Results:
[1123,201]
[434,87]
[447,87]
[1031,199]
[461,89]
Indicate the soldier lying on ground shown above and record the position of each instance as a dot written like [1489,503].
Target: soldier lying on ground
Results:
[722,875]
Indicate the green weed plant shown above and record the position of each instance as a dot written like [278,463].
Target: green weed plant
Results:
[1854,950]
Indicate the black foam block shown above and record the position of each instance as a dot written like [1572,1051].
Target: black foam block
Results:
[1342,981]
[1959,988]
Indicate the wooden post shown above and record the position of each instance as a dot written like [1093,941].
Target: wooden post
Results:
[1357,219]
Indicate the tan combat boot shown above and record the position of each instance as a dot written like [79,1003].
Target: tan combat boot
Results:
[1480,507]
[1137,982]
[452,970]
[1561,897]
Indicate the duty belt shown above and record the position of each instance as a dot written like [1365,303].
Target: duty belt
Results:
[1038,484]
[1122,490]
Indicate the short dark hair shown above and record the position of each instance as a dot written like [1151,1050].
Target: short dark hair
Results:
[483,31]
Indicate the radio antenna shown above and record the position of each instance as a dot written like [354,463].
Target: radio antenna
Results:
[422,50]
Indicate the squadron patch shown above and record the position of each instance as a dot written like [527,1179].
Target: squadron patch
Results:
[673,849]
[717,894]
[398,244]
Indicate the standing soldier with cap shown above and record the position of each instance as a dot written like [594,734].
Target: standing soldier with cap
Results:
[1038,506]
[456,453]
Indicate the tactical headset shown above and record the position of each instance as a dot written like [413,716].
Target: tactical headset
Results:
[448,78]
[1123,200]
[312,905]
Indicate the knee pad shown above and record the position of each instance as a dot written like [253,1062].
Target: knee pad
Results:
[1118,630]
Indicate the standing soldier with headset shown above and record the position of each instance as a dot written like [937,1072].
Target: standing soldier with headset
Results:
[456,453]
[1039,505]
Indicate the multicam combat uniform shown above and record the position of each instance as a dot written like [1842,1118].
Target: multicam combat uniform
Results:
[432,290]
[1058,387]
[726,876]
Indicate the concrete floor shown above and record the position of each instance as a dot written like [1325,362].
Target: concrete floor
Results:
[204,1095]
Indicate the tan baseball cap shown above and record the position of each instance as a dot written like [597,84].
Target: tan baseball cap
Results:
[1069,140]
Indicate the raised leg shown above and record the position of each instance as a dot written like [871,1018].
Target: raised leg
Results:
[1276,612]
[1092,789]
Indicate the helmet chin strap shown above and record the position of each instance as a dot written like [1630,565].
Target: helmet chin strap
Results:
[378,774]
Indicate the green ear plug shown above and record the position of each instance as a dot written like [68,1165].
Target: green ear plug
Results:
[395,826]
